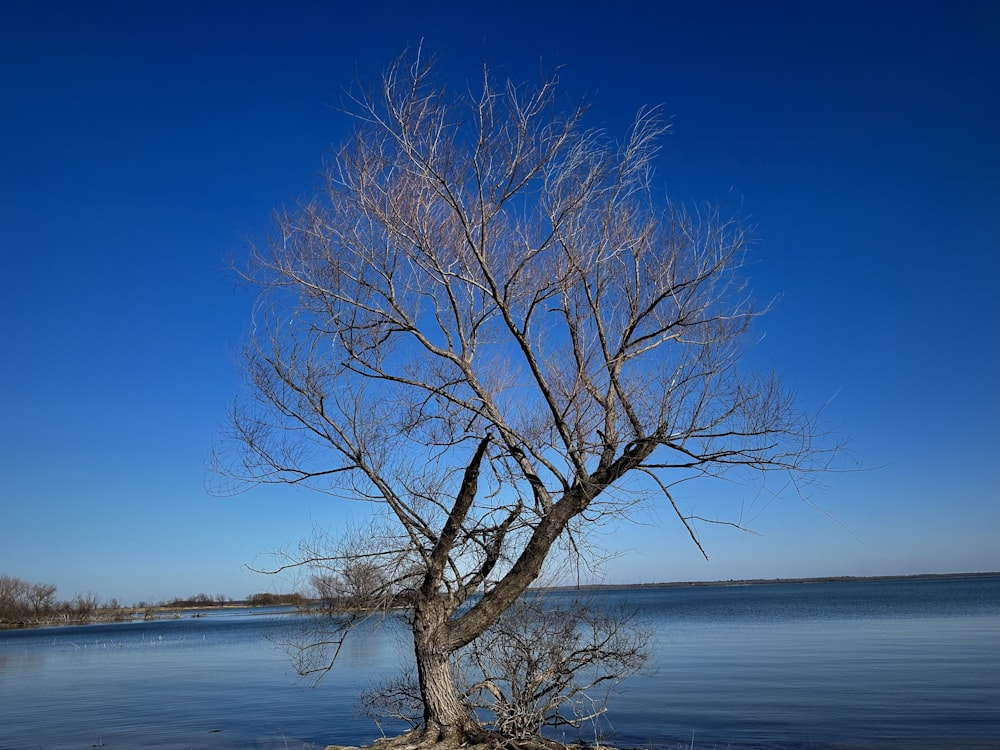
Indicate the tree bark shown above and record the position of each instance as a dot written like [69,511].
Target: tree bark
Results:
[446,716]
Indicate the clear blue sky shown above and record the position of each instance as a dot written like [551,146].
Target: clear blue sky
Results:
[142,143]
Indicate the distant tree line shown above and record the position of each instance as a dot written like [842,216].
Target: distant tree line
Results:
[276,600]
[201,601]
[198,600]
[23,604]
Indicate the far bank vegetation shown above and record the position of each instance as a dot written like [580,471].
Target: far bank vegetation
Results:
[24,604]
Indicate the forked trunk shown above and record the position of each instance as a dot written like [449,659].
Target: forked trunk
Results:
[446,715]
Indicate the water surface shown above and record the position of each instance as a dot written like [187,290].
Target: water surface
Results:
[848,665]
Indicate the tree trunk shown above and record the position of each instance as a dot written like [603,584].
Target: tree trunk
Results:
[446,715]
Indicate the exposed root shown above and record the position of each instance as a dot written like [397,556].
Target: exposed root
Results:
[472,739]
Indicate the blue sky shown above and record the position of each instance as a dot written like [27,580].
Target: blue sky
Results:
[144,143]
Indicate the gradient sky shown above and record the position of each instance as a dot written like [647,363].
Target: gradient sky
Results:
[143,143]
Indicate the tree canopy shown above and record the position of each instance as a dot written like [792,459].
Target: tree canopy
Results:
[492,325]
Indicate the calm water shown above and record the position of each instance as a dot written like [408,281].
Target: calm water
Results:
[888,665]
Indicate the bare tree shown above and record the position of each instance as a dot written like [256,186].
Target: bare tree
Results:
[42,598]
[548,663]
[490,325]
[23,602]
[15,602]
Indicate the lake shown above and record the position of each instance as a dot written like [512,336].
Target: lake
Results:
[848,665]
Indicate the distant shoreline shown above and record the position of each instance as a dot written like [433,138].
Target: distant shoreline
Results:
[179,609]
[767,581]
